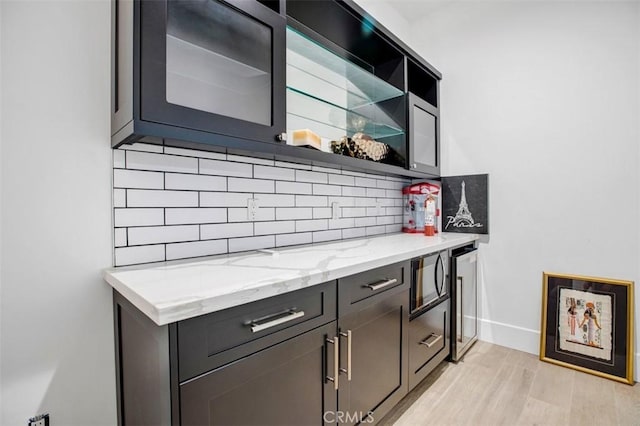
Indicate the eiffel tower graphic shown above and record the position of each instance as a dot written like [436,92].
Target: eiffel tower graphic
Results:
[463,215]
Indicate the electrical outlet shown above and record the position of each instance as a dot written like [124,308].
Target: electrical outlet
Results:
[335,210]
[39,420]
[252,208]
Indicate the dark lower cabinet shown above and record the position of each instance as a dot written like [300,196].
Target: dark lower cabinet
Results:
[281,385]
[377,360]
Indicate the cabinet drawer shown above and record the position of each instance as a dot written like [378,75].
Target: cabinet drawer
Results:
[209,341]
[428,341]
[358,290]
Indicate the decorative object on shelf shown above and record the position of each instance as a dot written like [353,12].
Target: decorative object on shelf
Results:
[465,204]
[361,146]
[587,325]
[306,137]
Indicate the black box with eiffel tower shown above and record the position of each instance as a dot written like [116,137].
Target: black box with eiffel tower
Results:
[465,204]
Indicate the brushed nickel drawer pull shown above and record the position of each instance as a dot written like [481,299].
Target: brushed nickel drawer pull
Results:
[382,284]
[336,361]
[289,315]
[438,337]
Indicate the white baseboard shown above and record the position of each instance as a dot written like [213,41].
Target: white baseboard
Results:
[522,339]
[511,336]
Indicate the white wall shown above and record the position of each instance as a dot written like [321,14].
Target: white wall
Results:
[543,96]
[56,336]
[384,12]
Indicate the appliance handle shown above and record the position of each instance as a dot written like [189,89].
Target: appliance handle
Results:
[460,316]
[436,338]
[438,283]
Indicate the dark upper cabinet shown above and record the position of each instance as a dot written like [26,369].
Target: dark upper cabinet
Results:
[424,120]
[203,67]
[259,77]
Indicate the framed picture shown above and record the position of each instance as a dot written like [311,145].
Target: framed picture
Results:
[587,325]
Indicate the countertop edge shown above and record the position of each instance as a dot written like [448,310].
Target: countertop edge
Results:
[190,309]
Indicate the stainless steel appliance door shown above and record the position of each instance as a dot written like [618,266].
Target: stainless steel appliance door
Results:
[466,316]
[429,280]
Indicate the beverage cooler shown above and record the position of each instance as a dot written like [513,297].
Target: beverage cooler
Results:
[464,296]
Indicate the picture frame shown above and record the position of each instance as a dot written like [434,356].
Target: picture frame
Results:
[587,325]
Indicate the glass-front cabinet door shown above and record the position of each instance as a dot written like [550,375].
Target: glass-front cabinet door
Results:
[213,66]
[424,137]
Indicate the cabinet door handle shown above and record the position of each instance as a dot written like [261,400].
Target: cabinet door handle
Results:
[285,316]
[435,340]
[347,370]
[382,284]
[336,360]
[460,315]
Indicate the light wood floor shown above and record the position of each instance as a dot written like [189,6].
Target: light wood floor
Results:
[494,385]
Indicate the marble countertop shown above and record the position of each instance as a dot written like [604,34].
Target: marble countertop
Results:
[174,291]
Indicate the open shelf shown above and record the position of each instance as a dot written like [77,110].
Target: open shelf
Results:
[333,122]
[320,73]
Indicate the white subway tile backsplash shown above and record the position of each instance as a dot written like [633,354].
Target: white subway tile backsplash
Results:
[292,213]
[275,173]
[141,254]
[313,177]
[166,163]
[195,182]
[275,200]
[250,185]
[293,165]
[322,212]
[325,169]
[320,189]
[293,188]
[390,229]
[137,179]
[320,236]
[162,234]
[354,211]
[224,199]
[347,222]
[145,147]
[195,153]
[280,227]
[311,201]
[118,159]
[353,233]
[156,198]
[293,239]
[354,191]
[138,217]
[225,168]
[119,197]
[242,215]
[311,225]
[341,180]
[120,237]
[178,216]
[384,220]
[251,160]
[375,230]
[343,201]
[375,192]
[251,243]
[365,182]
[365,221]
[195,249]
[226,230]
[175,203]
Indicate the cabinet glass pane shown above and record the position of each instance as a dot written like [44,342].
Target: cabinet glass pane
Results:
[218,60]
[424,137]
